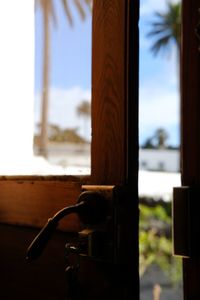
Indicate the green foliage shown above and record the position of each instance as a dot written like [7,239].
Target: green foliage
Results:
[156,243]
[61,135]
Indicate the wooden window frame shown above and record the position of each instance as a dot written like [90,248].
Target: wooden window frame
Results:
[30,200]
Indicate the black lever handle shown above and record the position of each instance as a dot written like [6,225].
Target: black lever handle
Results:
[39,243]
[92,209]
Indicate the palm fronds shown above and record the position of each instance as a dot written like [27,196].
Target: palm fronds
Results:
[166,28]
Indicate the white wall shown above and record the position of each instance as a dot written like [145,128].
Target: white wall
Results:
[16,80]
[159,160]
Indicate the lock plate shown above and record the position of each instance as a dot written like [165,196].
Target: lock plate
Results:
[181,229]
[103,241]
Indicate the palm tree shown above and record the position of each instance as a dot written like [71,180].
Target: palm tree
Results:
[48,12]
[166,31]
[161,137]
[166,28]
[84,109]
[157,140]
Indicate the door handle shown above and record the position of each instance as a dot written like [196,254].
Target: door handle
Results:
[92,209]
[102,211]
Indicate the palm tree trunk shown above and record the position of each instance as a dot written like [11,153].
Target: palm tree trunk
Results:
[45,88]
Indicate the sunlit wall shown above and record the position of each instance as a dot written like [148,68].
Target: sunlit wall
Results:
[16,81]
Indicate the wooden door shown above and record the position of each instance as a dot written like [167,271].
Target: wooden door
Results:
[190,112]
[27,202]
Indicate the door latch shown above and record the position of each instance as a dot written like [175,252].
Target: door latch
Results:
[186,221]
[103,241]
[91,208]
[181,223]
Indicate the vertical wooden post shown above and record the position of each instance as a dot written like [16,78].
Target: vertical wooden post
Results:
[115,113]
[109,92]
[190,113]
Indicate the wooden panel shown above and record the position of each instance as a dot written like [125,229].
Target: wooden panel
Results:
[32,202]
[190,109]
[41,279]
[109,92]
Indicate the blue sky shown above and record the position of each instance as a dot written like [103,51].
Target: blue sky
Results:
[71,74]
[159,99]
[71,49]
[70,78]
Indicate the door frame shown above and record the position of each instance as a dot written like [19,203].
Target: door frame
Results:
[190,133]
[30,200]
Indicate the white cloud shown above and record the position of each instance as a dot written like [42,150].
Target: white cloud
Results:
[159,108]
[62,107]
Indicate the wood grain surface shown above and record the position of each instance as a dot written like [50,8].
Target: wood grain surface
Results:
[32,202]
[109,92]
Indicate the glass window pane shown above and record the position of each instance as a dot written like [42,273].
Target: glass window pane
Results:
[45,87]
[161,274]
[62,133]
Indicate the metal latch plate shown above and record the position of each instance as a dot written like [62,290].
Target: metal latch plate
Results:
[181,227]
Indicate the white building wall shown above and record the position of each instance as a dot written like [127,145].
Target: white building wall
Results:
[167,160]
